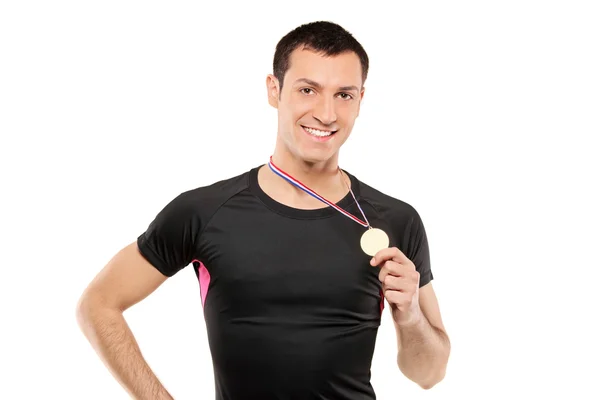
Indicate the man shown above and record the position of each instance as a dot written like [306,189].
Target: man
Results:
[291,292]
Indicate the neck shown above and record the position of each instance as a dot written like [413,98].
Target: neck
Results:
[323,177]
[318,175]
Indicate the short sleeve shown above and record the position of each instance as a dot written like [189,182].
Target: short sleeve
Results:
[418,249]
[169,242]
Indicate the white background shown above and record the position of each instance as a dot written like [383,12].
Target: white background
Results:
[482,115]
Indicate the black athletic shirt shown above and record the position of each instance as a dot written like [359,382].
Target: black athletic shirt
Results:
[292,305]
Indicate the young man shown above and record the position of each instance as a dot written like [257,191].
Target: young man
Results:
[293,278]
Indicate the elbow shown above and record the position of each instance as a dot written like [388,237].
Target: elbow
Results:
[429,384]
[93,311]
[438,373]
[426,379]
[435,378]
[86,308]
[82,312]
[426,375]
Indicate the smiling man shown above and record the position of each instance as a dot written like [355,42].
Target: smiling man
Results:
[296,258]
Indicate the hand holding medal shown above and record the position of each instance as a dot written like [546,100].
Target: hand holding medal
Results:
[400,285]
[372,240]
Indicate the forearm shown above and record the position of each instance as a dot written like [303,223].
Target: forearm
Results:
[111,337]
[423,353]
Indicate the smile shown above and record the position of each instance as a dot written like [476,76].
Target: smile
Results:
[318,132]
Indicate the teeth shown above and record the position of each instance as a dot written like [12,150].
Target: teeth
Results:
[318,132]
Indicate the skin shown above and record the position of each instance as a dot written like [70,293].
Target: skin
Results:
[423,343]
[128,278]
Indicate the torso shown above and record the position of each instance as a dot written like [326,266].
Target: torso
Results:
[291,303]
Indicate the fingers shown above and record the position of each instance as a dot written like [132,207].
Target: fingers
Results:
[396,269]
[397,283]
[391,253]
[398,277]
[402,282]
[400,299]
[390,268]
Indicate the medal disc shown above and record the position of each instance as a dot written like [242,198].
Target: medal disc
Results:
[373,240]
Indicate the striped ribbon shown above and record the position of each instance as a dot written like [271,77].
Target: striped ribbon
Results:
[317,196]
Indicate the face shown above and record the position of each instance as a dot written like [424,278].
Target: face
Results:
[322,93]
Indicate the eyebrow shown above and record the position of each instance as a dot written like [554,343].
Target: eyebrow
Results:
[319,86]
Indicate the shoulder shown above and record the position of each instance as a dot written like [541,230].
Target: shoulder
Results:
[216,192]
[387,205]
[170,242]
[212,194]
[406,226]
[201,202]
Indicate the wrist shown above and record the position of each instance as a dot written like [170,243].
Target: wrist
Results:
[415,319]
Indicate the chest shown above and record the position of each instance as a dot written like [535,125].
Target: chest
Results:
[281,264]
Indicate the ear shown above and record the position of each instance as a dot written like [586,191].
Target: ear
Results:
[273,90]
[362,93]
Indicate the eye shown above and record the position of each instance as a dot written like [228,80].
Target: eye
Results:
[304,90]
[347,96]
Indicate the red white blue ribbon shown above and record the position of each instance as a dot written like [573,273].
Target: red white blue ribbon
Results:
[317,196]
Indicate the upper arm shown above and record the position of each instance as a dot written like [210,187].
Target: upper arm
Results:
[417,248]
[126,279]
[417,245]
[165,247]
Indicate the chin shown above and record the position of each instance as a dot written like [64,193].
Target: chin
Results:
[314,157]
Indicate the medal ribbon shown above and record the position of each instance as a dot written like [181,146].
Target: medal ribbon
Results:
[317,196]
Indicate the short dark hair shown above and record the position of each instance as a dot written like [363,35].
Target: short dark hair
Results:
[323,37]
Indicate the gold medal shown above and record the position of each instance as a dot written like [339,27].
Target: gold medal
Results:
[373,240]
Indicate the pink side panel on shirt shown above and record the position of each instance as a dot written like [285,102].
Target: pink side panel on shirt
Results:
[204,279]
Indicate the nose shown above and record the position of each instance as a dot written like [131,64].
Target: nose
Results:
[325,111]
